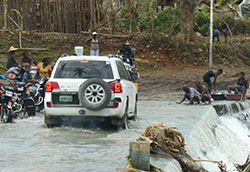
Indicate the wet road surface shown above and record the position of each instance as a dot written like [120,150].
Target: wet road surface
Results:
[27,145]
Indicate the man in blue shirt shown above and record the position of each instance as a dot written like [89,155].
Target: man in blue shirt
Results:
[216,34]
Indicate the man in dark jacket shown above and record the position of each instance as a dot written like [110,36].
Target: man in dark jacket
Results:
[11,58]
[127,53]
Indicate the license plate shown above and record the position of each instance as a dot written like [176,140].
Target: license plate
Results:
[20,89]
[8,93]
[9,104]
[65,99]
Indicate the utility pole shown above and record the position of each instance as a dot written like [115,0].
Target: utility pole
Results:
[211,34]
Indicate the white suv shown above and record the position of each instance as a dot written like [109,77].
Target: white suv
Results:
[90,88]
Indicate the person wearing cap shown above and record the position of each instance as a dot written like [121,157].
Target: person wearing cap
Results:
[94,49]
[127,53]
[11,58]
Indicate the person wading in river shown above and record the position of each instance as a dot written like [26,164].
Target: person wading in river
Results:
[208,75]
[191,94]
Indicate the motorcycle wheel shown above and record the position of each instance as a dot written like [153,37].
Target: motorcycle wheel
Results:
[22,114]
[6,115]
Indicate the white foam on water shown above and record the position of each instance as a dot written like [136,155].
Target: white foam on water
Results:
[217,138]
[228,141]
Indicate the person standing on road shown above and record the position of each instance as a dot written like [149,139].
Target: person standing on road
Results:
[94,49]
[26,61]
[27,77]
[208,75]
[11,58]
[44,68]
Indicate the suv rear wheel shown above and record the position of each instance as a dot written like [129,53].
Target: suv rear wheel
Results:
[134,118]
[94,94]
[125,119]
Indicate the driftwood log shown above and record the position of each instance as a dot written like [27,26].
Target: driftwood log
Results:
[171,142]
[245,167]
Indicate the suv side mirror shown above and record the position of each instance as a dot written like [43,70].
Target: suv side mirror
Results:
[135,76]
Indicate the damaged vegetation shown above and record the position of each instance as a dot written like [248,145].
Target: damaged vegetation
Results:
[155,30]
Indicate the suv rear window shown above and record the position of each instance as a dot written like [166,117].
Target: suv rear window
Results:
[84,69]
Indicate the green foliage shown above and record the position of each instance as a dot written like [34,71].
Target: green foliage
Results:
[247,48]
[242,26]
[163,19]
[201,21]
[18,13]
[167,19]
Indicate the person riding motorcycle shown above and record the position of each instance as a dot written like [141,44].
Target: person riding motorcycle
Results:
[127,53]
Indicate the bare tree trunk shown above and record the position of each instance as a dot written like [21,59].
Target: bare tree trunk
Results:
[130,16]
[94,14]
[5,27]
[152,19]
[113,15]
[186,19]
[98,13]
[20,33]
[91,16]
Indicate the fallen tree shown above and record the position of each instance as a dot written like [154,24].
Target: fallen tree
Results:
[245,167]
[171,142]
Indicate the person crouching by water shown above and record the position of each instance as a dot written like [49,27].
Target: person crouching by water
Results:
[191,94]
[240,86]
[94,49]
[44,68]
[202,89]
[208,75]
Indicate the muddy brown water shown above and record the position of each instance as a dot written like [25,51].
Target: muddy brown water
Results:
[27,146]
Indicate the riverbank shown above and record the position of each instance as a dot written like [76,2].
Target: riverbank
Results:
[167,83]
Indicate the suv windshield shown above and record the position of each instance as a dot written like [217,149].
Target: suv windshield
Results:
[84,69]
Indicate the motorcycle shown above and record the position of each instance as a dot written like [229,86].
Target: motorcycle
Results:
[10,106]
[33,98]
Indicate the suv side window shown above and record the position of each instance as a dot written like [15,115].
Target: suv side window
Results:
[122,70]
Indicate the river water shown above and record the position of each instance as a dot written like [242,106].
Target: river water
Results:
[28,146]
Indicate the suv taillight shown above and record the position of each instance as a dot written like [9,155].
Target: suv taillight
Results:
[51,85]
[116,87]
